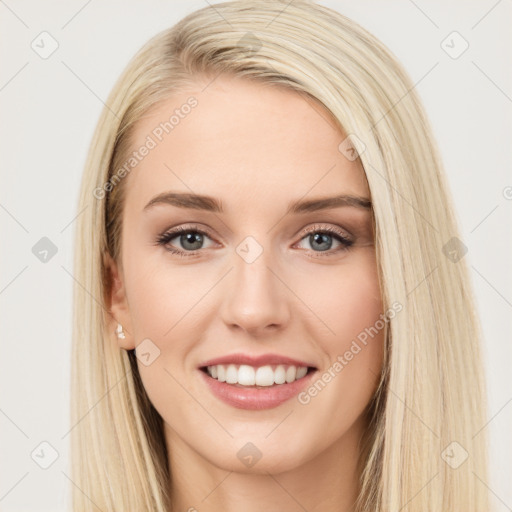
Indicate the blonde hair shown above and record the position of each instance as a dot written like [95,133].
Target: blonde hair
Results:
[432,388]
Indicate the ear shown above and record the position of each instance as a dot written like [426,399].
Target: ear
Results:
[117,304]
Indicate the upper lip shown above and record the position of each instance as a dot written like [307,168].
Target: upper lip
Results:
[253,360]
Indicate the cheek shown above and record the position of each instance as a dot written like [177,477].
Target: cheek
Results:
[162,297]
[346,300]
[354,348]
[350,331]
[164,307]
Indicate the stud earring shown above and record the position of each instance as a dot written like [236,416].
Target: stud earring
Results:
[120,333]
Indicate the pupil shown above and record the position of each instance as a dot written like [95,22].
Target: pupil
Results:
[192,238]
[319,237]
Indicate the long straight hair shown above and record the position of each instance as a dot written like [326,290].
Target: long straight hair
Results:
[423,449]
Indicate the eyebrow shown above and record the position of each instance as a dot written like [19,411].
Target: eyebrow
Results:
[210,204]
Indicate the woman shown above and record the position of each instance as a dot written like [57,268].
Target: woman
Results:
[316,348]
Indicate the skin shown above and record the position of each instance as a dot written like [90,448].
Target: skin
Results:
[256,149]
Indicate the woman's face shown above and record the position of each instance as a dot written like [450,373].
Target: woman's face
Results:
[248,275]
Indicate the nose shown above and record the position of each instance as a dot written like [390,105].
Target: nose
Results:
[256,299]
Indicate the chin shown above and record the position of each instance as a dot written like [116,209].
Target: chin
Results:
[253,459]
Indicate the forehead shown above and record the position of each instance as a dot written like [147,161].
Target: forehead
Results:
[238,139]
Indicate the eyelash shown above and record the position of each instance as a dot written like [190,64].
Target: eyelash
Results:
[166,237]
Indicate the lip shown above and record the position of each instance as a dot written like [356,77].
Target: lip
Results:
[253,360]
[256,398]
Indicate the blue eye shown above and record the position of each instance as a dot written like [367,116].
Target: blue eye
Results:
[191,235]
[191,239]
[322,239]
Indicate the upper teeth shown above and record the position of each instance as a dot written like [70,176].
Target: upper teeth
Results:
[261,376]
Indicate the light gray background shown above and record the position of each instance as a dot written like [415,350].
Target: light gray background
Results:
[49,110]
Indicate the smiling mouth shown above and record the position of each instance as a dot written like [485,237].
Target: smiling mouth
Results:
[263,377]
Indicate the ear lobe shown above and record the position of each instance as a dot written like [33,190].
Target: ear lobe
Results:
[117,304]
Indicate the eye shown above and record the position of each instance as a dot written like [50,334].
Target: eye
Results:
[191,239]
[321,238]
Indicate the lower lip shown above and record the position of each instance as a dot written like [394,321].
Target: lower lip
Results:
[256,398]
